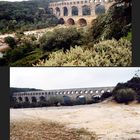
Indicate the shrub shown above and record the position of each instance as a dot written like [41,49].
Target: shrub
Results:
[10,41]
[61,38]
[124,95]
[105,53]
[116,23]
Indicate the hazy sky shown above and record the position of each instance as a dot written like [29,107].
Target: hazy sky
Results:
[13,0]
[62,77]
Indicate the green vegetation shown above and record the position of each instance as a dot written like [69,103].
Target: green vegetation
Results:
[124,95]
[104,43]
[129,91]
[116,23]
[105,53]
[61,38]
[10,41]
[26,15]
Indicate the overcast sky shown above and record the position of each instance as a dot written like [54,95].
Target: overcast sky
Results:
[62,77]
[13,0]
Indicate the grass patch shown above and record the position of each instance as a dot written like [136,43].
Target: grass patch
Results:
[43,130]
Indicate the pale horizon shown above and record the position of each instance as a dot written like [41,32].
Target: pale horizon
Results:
[49,78]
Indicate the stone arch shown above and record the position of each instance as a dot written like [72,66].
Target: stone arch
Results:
[34,100]
[20,99]
[86,10]
[70,21]
[57,9]
[51,10]
[65,11]
[99,9]
[26,99]
[74,11]
[67,100]
[42,98]
[96,91]
[82,22]
[81,99]
[96,98]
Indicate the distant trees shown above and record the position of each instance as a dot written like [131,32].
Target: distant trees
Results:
[25,15]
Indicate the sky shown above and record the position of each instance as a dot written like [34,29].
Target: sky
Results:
[13,0]
[48,78]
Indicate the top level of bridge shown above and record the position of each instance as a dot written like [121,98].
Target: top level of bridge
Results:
[69,2]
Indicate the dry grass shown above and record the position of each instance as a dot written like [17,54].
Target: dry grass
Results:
[44,130]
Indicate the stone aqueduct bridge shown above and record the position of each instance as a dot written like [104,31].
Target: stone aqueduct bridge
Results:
[64,10]
[36,96]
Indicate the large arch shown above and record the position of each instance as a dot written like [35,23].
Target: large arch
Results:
[99,9]
[82,22]
[34,100]
[86,10]
[67,100]
[81,99]
[74,11]
[70,21]
[61,21]
[57,9]
[20,99]
[51,10]
[42,99]
[26,99]
[65,11]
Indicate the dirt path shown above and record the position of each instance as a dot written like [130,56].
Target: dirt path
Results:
[109,121]
[38,31]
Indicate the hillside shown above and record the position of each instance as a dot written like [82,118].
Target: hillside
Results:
[104,43]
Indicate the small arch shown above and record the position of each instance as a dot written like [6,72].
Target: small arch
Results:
[86,10]
[99,9]
[70,21]
[57,9]
[82,22]
[74,11]
[96,91]
[65,11]
[34,100]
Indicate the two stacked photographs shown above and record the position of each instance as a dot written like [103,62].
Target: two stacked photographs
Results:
[70,69]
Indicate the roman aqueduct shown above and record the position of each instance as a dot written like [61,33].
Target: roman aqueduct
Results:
[80,12]
[36,96]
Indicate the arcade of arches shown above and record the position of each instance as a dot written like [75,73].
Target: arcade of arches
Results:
[79,11]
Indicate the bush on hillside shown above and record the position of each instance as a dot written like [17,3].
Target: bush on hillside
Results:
[10,41]
[61,38]
[105,53]
[124,95]
[116,23]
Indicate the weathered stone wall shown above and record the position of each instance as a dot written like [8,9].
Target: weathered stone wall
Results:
[88,93]
[57,8]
